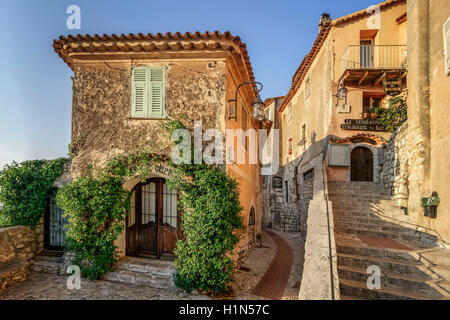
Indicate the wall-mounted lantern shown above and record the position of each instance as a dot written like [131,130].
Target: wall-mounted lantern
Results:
[258,109]
[430,205]
[342,94]
[258,105]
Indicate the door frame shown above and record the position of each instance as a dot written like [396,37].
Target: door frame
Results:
[159,238]
[51,197]
[369,152]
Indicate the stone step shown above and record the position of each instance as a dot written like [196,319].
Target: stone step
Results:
[49,259]
[382,253]
[441,272]
[359,289]
[438,257]
[144,272]
[137,278]
[394,266]
[148,266]
[404,236]
[375,227]
[47,267]
[389,281]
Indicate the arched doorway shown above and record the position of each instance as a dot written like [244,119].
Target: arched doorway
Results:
[362,164]
[152,223]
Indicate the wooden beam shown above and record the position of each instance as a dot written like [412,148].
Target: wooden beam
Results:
[363,78]
[346,75]
[380,78]
[404,75]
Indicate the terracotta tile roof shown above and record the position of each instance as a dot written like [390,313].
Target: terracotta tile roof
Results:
[66,46]
[303,69]
[272,99]
[363,13]
[401,19]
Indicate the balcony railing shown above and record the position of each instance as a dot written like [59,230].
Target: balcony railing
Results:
[374,57]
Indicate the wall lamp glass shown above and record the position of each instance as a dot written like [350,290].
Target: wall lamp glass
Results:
[258,105]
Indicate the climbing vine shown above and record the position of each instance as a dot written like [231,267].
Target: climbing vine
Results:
[24,190]
[209,199]
[394,115]
[96,209]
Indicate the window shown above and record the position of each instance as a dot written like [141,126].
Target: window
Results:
[369,103]
[307,88]
[308,175]
[148,85]
[303,135]
[251,217]
[290,112]
[289,146]
[286,189]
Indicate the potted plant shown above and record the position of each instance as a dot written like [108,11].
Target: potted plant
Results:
[375,112]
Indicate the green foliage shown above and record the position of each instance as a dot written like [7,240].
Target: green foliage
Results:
[96,209]
[210,199]
[4,221]
[393,116]
[24,189]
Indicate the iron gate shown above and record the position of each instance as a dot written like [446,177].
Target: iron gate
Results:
[55,233]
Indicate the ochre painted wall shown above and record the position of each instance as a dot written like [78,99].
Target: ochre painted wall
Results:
[428,130]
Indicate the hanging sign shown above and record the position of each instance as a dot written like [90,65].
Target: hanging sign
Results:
[362,125]
[393,86]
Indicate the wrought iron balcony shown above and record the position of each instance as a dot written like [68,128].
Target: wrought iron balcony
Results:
[362,63]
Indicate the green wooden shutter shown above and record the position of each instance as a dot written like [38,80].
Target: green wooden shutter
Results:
[140,93]
[156,92]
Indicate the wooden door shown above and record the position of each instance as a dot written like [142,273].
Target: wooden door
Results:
[362,164]
[152,224]
[366,54]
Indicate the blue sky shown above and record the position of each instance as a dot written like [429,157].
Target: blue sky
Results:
[35,84]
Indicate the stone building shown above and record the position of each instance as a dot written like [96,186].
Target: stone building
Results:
[125,86]
[325,117]
[417,153]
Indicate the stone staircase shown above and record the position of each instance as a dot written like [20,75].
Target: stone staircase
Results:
[52,262]
[144,272]
[370,230]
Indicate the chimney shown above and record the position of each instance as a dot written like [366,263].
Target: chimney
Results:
[325,21]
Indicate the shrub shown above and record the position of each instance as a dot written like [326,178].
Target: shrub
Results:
[393,116]
[24,189]
[96,209]
[210,222]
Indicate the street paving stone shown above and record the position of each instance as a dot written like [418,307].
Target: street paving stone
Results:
[41,286]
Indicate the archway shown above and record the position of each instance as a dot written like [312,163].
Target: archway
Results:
[361,164]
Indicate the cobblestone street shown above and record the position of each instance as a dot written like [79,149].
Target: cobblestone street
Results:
[41,286]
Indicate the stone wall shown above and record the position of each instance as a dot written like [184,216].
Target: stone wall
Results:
[18,245]
[395,170]
[320,277]
[101,108]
